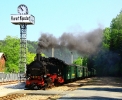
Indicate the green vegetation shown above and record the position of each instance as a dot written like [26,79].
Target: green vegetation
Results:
[81,61]
[78,61]
[10,46]
[108,61]
[32,45]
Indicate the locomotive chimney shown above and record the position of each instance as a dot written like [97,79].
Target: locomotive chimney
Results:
[38,56]
[52,52]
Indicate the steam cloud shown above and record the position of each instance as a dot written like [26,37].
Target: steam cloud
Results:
[87,43]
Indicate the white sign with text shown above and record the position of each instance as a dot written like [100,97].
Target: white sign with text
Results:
[19,19]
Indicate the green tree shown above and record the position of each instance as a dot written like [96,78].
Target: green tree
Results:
[106,38]
[1,43]
[116,39]
[30,57]
[116,34]
[10,47]
[78,61]
[84,63]
[31,45]
[43,55]
[108,62]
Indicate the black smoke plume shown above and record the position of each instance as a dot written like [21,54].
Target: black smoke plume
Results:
[84,43]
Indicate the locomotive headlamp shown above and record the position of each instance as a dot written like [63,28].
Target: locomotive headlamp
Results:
[28,78]
[45,75]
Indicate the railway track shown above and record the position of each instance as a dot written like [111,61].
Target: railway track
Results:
[12,96]
[10,82]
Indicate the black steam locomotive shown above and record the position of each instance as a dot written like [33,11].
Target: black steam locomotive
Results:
[47,72]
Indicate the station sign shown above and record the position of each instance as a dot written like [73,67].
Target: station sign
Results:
[20,19]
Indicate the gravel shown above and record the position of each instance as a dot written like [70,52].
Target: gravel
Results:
[6,89]
[37,97]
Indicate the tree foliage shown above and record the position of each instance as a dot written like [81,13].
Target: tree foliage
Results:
[85,61]
[10,47]
[30,57]
[78,61]
[116,34]
[31,45]
[106,38]
[109,60]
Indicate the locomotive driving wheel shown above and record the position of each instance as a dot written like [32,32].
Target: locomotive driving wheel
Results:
[48,83]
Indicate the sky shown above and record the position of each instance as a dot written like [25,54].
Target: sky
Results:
[59,16]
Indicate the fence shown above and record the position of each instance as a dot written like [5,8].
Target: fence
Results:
[11,77]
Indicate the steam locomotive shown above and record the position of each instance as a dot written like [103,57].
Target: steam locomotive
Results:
[44,72]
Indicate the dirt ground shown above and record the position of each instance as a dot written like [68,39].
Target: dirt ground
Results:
[102,81]
[96,88]
[113,81]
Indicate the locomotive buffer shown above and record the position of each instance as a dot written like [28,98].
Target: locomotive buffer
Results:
[23,19]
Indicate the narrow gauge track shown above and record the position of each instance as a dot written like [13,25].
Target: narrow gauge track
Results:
[10,82]
[56,93]
[12,96]
[22,96]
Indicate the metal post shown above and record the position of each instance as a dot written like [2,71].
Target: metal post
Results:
[23,42]
[71,57]
[52,52]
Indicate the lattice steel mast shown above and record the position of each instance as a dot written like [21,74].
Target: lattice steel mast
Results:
[23,46]
[23,19]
